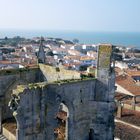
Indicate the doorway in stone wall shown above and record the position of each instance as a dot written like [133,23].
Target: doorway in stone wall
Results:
[91,134]
[61,131]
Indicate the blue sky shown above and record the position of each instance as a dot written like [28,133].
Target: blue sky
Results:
[76,15]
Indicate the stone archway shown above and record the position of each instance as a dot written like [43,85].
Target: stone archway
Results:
[7,97]
[63,115]
[58,104]
[91,134]
[8,121]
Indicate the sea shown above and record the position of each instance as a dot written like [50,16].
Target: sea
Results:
[126,39]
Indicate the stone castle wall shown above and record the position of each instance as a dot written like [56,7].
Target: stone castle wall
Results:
[35,106]
[9,79]
[38,107]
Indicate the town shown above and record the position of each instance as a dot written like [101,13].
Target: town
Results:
[82,59]
[18,52]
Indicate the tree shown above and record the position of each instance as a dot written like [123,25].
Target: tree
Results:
[6,38]
[75,41]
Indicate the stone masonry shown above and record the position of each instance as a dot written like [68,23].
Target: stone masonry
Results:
[90,103]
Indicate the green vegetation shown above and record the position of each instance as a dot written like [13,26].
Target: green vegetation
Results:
[35,85]
[74,80]
[12,41]
[19,89]
[15,71]
[75,41]
[32,86]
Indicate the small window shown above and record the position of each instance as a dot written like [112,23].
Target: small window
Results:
[57,69]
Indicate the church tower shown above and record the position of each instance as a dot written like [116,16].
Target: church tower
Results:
[41,52]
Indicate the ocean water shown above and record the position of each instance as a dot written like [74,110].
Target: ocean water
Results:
[128,39]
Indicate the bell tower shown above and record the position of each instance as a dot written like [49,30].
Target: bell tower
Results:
[41,52]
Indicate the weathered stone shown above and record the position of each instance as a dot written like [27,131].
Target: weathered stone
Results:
[35,106]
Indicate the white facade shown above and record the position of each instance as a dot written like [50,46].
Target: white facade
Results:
[121,65]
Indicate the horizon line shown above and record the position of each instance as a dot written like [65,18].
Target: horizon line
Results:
[65,30]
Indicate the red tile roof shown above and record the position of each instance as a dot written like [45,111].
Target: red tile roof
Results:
[133,72]
[131,116]
[87,58]
[128,83]
[125,132]
[5,62]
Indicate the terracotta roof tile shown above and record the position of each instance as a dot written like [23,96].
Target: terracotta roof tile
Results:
[133,72]
[128,83]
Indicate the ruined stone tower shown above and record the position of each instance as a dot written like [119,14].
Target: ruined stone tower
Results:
[88,103]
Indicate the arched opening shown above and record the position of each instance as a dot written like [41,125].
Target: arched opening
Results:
[61,132]
[9,124]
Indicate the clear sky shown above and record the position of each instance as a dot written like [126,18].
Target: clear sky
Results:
[79,15]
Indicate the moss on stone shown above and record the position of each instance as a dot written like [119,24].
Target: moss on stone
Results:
[16,71]
[20,88]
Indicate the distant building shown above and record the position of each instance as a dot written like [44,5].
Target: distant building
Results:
[1,55]
[9,65]
[28,49]
[121,65]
